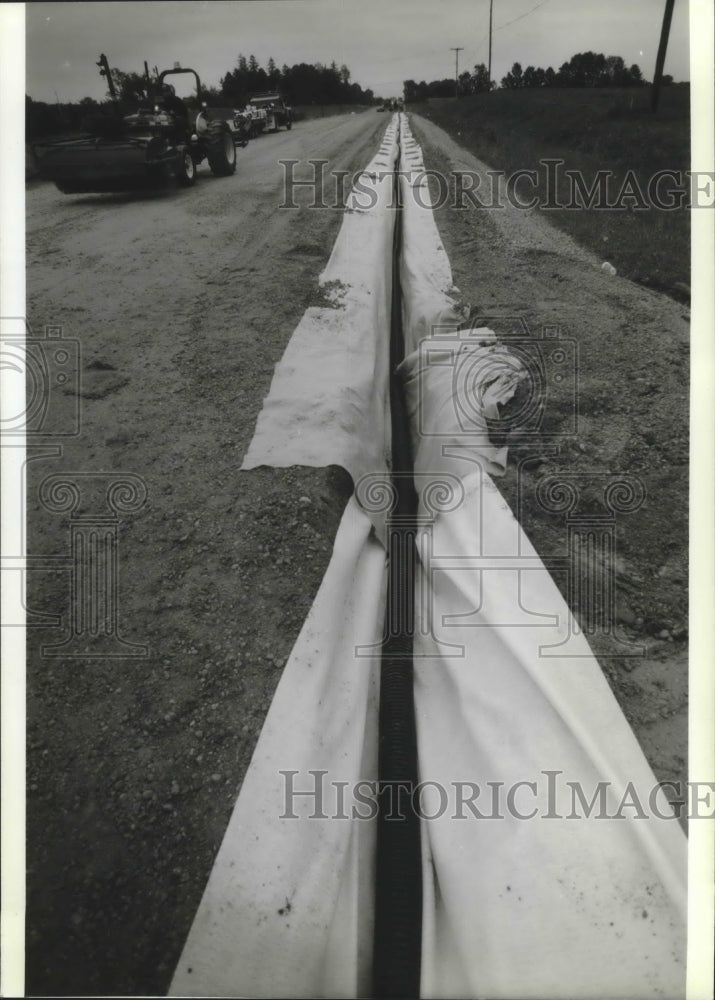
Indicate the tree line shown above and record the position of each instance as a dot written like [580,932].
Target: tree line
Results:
[302,83]
[585,69]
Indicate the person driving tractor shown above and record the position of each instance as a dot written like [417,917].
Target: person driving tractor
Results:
[171,103]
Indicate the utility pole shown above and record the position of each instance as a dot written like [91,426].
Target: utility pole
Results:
[489,69]
[456,68]
[660,58]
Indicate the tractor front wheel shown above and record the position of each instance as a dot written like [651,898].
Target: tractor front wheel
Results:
[186,169]
[220,150]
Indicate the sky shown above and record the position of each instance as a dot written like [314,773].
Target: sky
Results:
[383,42]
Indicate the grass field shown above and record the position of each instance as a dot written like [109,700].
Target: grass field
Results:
[590,130]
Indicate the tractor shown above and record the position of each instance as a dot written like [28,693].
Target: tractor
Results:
[269,111]
[162,139]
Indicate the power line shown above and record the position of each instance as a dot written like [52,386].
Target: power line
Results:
[433,51]
[456,68]
[521,16]
[411,57]
[488,36]
[507,23]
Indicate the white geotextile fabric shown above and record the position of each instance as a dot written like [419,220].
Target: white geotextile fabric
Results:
[533,907]
[547,907]
[328,400]
[287,909]
[464,375]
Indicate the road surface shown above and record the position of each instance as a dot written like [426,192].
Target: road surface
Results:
[182,302]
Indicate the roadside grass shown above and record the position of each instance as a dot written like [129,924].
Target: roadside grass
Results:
[609,129]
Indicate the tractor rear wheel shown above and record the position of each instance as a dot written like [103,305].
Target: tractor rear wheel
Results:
[186,169]
[220,150]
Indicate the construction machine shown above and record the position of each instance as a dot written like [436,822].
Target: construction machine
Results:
[164,138]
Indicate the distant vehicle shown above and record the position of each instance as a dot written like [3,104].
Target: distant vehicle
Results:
[269,112]
[238,123]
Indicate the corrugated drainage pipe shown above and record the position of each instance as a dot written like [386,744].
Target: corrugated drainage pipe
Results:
[398,896]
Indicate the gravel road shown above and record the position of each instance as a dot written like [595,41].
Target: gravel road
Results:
[182,302]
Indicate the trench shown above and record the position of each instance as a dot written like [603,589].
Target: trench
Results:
[398,895]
